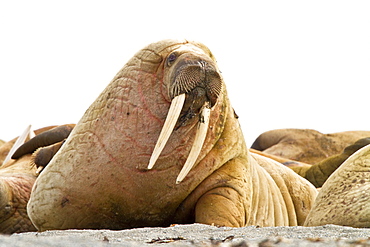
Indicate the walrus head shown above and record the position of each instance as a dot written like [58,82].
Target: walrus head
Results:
[194,84]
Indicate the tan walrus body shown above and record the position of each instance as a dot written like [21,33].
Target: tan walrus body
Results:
[100,177]
[344,198]
[16,181]
[17,177]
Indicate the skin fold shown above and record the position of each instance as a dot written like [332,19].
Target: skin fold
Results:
[99,178]
[343,198]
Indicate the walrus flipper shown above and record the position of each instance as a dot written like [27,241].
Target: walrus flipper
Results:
[319,173]
[42,156]
[46,138]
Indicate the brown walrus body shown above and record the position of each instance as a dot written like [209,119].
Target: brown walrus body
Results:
[324,152]
[100,178]
[306,145]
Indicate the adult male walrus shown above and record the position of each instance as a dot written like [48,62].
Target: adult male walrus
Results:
[161,145]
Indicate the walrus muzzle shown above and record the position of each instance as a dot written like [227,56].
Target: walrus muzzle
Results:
[194,86]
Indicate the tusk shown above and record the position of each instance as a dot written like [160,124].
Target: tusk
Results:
[199,139]
[32,134]
[171,119]
[21,139]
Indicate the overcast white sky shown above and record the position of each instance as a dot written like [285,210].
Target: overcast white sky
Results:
[287,64]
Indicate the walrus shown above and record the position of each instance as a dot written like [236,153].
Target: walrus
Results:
[318,173]
[344,198]
[325,152]
[17,177]
[306,145]
[162,145]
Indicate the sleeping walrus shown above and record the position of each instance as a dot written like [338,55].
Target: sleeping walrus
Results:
[161,145]
[306,145]
[311,154]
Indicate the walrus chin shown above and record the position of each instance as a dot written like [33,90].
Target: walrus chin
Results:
[194,86]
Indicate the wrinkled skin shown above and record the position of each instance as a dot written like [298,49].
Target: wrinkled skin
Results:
[16,180]
[306,145]
[99,178]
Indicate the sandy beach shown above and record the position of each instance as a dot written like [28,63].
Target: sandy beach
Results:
[196,235]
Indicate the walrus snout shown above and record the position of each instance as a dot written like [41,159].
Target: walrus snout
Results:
[200,81]
[190,74]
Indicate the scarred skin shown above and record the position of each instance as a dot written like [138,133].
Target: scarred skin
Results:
[99,178]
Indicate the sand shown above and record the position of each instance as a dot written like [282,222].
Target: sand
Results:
[196,235]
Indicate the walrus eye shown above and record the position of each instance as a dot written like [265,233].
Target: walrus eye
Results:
[171,58]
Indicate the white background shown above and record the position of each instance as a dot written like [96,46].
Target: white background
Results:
[287,64]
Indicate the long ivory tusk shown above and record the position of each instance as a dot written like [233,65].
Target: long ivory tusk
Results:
[199,139]
[171,119]
[21,139]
